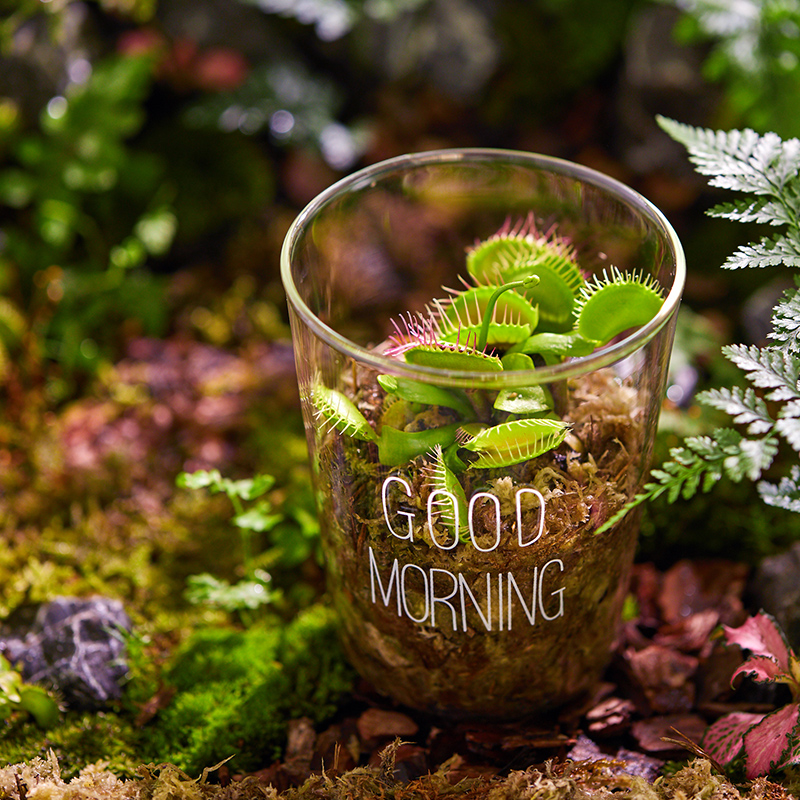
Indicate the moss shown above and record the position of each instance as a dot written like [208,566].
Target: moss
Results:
[603,780]
[236,691]
[79,739]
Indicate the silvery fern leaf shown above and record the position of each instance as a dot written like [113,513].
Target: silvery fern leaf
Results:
[741,160]
[752,458]
[769,252]
[786,322]
[768,368]
[788,425]
[700,464]
[767,168]
[786,494]
[744,405]
[760,210]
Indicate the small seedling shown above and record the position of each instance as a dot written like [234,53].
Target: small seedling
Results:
[254,590]
[17,696]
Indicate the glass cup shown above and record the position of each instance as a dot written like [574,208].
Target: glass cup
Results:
[467,586]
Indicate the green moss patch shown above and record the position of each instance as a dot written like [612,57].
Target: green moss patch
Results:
[236,690]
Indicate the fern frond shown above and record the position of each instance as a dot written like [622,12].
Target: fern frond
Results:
[761,210]
[753,456]
[741,160]
[744,405]
[786,494]
[700,464]
[768,368]
[789,428]
[786,322]
[768,252]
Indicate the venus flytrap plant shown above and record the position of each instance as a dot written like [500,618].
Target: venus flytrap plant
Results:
[520,250]
[528,304]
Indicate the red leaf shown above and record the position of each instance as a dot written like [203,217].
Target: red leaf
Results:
[724,738]
[762,669]
[762,635]
[793,755]
[767,742]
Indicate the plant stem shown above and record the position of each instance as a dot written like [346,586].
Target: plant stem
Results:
[483,335]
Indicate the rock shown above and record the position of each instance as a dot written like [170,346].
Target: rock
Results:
[74,646]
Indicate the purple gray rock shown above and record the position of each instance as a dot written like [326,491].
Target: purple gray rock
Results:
[75,646]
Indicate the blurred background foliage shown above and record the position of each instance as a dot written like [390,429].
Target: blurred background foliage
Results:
[152,156]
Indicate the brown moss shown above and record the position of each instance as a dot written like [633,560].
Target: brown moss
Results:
[40,779]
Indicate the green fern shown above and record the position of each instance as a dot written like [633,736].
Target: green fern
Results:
[767,169]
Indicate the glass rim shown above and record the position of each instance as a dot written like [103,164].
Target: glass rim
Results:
[571,368]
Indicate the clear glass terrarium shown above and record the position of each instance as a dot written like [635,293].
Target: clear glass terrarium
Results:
[466,499]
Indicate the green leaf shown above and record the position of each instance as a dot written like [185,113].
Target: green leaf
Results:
[428,393]
[525,400]
[557,344]
[246,488]
[517,362]
[200,479]
[259,518]
[248,594]
[40,705]
[396,447]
